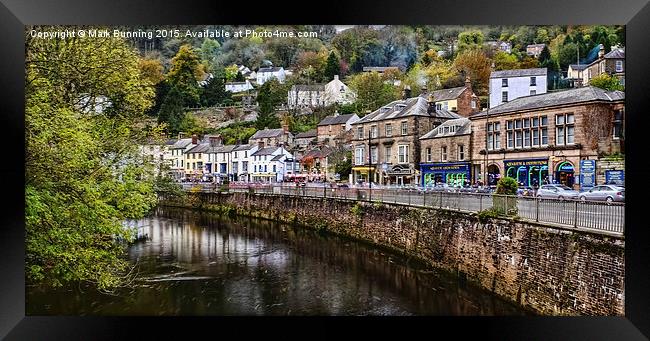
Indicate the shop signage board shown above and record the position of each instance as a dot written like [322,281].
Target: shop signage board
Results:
[587,174]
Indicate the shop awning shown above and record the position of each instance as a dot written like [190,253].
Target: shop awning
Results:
[363,168]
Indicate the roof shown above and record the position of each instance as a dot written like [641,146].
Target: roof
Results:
[616,53]
[278,157]
[269,69]
[447,94]
[532,46]
[415,106]
[519,73]
[181,144]
[267,133]
[378,68]
[308,87]
[265,151]
[339,119]
[465,128]
[570,96]
[238,83]
[578,66]
[199,148]
[243,147]
[307,134]
[170,142]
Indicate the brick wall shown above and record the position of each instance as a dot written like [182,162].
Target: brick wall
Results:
[548,270]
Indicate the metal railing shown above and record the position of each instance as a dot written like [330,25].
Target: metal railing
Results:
[598,217]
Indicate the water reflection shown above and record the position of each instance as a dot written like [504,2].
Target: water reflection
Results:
[201,264]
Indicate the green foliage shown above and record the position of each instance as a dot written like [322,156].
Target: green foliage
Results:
[507,186]
[469,40]
[607,82]
[215,92]
[192,125]
[332,67]
[209,53]
[271,94]
[344,166]
[237,133]
[83,175]
[371,91]
[172,111]
[484,215]
[165,184]
[357,210]
[184,75]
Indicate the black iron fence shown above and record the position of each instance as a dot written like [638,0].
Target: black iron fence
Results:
[599,217]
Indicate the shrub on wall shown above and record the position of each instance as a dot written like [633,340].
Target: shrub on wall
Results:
[504,202]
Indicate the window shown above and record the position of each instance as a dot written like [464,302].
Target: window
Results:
[360,133]
[273,168]
[533,81]
[443,153]
[358,156]
[619,66]
[473,104]
[564,129]
[373,132]
[527,138]
[533,92]
[504,82]
[255,168]
[461,152]
[511,140]
[428,154]
[403,153]
[245,153]
[404,128]
[618,124]
[438,106]
[504,96]
[493,136]
[373,154]
[389,130]
[544,132]
[387,154]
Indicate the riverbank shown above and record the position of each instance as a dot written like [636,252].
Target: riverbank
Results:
[544,269]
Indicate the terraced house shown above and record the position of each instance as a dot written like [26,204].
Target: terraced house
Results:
[548,137]
[446,153]
[386,144]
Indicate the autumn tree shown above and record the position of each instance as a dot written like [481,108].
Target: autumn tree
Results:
[372,92]
[475,64]
[184,75]
[83,171]
[607,82]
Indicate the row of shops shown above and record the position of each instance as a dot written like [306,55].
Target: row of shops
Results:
[528,172]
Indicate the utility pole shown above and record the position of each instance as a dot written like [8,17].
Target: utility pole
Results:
[369,165]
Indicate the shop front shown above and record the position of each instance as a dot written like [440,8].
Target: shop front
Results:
[564,173]
[361,173]
[527,172]
[457,173]
[400,175]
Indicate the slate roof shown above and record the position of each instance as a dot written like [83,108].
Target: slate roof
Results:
[267,133]
[170,142]
[243,147]
[518,73]
[265,151]
[340,119]
[308,87]
[277,157]
[447,94]
[578,67]
[570,96]
[307,134]
[181,144]
[415,106]
[616,53]
[268,69]
[199,148]
[465,128]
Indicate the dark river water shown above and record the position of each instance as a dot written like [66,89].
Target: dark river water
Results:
[202,264]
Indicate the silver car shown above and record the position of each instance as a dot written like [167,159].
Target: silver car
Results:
[556,191]
[607,193]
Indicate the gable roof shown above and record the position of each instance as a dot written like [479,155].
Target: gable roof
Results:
[269,69]
[308,87]
[199,148]
[465,128]
[340,119]
[519,73]
[181,144]
[415,106]
[570,96]
[578,67]
[616,53]
[265,151]
[307,134]
[447,94]
[260,134]
[243,147]
[278,157]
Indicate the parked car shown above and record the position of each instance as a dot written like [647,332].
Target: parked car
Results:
[343,186]
[525,191]
[607,193]
[443,187]
[557,191]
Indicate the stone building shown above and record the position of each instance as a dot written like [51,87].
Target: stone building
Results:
[546,137]
[446,153]
[334,126]
[612,63]
[461,100]
[272,137]
[386,144]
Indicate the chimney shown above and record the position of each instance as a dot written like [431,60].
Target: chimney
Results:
[423,90]
[181,135]
[336,77]
[195,139]
[285,128]
[215,141]
[601,51]
[468,83]
[407,92]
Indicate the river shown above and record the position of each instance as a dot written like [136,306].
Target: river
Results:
[197,263]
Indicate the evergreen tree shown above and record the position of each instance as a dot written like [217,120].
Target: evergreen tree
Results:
[215,91]
[171,110]
[184,75]
[332,68]
[239,77]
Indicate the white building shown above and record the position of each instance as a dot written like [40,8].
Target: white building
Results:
[236,87]
[222,162]
[507,85]
[177,158]
[320,95]
[267,73]
[241,165]
[269,164]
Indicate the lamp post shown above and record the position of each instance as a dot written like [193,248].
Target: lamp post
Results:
[369,165]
